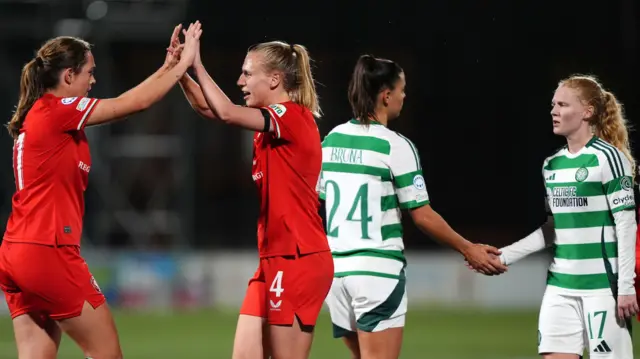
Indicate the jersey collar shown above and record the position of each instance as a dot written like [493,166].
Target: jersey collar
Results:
[356,122]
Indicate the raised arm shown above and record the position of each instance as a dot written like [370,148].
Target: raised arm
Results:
[194,95]
[221,106]
[190,88]
[150,90]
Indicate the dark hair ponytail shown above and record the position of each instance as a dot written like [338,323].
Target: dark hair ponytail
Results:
[370,77]
[30,91]
[42,73]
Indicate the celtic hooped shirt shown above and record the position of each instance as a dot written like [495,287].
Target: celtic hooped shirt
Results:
[584,190]
[369,174]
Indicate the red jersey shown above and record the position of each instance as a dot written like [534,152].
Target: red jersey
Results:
[51,163]
[286,166]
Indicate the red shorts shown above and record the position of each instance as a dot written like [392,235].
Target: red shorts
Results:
[46,280]
[288,287]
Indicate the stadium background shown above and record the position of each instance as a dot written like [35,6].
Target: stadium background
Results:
[171,208]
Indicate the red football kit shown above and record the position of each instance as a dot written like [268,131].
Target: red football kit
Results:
[295,259]
[40,265]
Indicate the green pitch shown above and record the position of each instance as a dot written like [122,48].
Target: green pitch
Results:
[430,333]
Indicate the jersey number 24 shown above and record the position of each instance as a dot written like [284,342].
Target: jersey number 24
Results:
[361,199]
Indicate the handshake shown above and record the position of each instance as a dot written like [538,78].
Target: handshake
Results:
[484,259]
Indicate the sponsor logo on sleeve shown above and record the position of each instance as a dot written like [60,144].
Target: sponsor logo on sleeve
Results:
[95,284]
[625,183]
[82,105]
[278,109]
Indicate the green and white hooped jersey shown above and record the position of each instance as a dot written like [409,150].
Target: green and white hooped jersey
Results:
[584,190]
[369,173]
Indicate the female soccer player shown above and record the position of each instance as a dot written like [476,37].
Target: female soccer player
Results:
[47,284]
[590,291]
[370,174]
[296,268]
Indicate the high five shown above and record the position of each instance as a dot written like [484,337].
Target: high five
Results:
[295,271]
[47,284]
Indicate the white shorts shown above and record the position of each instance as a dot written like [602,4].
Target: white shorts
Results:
[366,303]
[569,324]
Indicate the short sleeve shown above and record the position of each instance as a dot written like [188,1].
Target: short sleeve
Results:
[73,112]
[286,120]
[617,178]
[407,175]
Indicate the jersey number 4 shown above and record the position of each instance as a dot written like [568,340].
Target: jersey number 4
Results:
[360,201]
[276,285]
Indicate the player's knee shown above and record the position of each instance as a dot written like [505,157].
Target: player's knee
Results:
[355,351]
[252,350]
[248,353]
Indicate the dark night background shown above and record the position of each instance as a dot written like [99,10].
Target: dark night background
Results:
[480,77]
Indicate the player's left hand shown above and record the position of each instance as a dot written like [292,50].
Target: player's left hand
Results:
[191,42]
[627,306]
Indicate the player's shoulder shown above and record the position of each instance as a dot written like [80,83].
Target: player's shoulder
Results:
[337,131]
[289,109]
[606,152]
[352,128]
[560,152]
[67,104]
[400,141]
[343,128]
[46,107]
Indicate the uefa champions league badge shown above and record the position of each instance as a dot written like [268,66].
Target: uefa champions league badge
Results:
[68,100]
[418,182]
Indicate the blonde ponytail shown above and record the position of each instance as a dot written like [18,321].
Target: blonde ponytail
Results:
[305,93]
[613,128]
[294,62]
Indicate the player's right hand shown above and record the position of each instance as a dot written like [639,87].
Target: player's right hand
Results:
[175,48]
[627,306]
[191,42]
[484,259]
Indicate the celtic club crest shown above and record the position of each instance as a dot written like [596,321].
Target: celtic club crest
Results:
[581,174]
